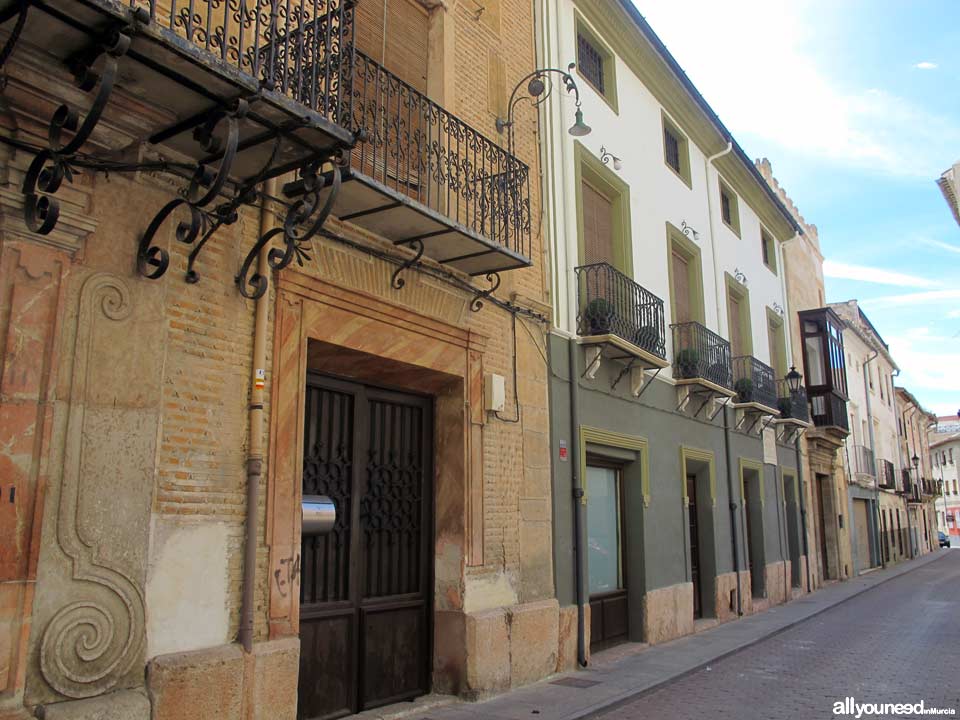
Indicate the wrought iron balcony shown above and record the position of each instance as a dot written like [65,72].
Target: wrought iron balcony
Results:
[700,354]
[792,406]
[888,476]
[754,382]
[422,177]
[610,303]
[828,409]
[863,462]
[239,92]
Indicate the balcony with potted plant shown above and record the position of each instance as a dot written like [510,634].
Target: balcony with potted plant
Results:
[702,369]
[756,392]
[620,320]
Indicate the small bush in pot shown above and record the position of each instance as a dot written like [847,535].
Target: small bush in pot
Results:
[688,363]
[744,389]
[598,316]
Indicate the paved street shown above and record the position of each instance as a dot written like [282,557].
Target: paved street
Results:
[898,642]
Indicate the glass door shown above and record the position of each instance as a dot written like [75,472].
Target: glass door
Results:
[605,567]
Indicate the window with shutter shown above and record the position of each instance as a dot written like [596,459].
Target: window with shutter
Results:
[671,149]
[736,329]
[597,226]
[681,289]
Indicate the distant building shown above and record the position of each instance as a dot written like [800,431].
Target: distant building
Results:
[920,487]
[949,184]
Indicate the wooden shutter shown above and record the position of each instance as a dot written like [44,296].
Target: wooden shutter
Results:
[681,288]
[597,226]
[736,329]
[406,31]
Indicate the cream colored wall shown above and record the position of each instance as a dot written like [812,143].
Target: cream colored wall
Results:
[657,196]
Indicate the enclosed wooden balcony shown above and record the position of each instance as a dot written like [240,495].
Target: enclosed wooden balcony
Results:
[825,371]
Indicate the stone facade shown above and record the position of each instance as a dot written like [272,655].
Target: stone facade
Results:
[127,425]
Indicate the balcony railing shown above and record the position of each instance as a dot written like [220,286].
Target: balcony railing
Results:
[828,409]
[701,354]
[792,405]
[610,303]
[906,483]
[888,476]
[300,48]
[754,381]
[863,462]
[421,151]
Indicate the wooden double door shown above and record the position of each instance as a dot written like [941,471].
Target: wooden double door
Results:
[365,598]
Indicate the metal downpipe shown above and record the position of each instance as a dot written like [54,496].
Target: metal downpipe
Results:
[803,511]
[733,507]
[255,445]
[577,497]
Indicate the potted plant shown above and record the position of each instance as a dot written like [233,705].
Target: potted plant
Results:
[598,315]
[785,406]
[688,363]
[744,389]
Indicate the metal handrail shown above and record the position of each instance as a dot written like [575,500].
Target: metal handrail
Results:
[609,302]
[700,353]
[792,405]
[418,148]
[754,381]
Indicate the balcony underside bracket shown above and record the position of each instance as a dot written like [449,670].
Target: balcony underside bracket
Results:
[623,371]
[789,429]
[705,396]
[593,355]
[641,379]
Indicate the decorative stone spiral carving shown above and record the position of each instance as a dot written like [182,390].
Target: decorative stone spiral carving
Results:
[91,643]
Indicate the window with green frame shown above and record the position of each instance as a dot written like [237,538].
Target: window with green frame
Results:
[596,63]
[603,213]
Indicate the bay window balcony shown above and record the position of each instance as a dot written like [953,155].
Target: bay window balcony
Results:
[825,370]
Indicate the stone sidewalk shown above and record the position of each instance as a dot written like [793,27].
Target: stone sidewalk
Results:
[617,676]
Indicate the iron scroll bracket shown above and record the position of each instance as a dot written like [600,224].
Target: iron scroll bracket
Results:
[51,166]
[397,282]
[303,221]
[494,279]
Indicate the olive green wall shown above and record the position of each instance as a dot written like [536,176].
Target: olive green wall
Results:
[656,534]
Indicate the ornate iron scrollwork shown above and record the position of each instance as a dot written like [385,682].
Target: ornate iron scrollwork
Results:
[52,166]
[303,220]
[494,279]
[205,185]
[397,282]
[20,10]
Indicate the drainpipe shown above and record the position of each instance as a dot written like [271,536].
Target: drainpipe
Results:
[873,449]
[255,444]
[733,505]
[577,492]
[713,238]
[896,415]
[803,510]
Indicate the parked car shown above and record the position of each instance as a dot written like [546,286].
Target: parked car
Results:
[944,540]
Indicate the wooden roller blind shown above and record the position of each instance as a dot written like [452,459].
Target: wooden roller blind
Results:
[736,329]
[597,226]
[681,288]
[406,32]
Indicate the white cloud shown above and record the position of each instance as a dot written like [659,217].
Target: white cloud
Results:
[953,313]
[758,64]
[929,297]
[863,273]
[926,65]
[928,368]
[939,244]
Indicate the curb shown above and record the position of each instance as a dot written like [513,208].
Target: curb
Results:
[595,713]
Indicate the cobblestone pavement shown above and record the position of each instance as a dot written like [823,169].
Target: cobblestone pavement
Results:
[897,643]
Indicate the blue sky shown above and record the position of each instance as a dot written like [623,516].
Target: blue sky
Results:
[857,105]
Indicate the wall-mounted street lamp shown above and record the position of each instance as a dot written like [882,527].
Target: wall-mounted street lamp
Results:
[606,157]
[539,87]
[916,462]
[793,379]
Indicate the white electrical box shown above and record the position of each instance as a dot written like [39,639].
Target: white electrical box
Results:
[494,392]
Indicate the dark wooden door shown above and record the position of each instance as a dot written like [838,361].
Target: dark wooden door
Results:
[365,587]
[821,518]
[694,531]
[609,623]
